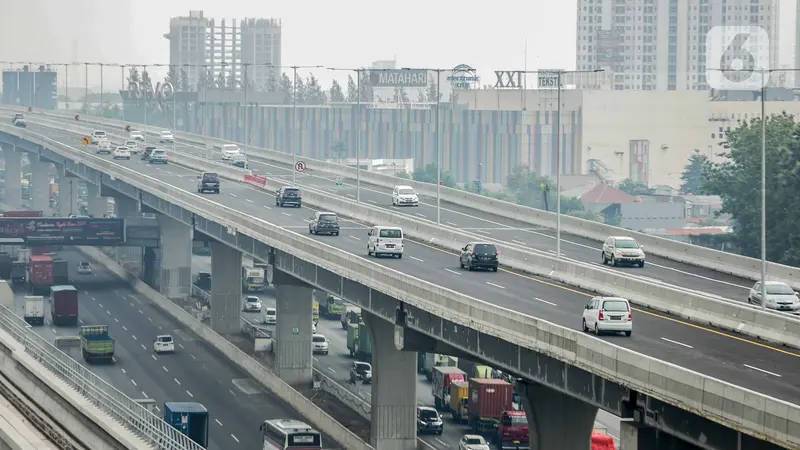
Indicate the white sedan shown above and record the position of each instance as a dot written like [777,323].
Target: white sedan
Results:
[166,137]
[780,296]
[103,146]
[122,153]
[133,146]
[472,442]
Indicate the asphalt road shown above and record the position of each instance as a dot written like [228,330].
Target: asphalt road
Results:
[236,403]
[745,362]
[336,365]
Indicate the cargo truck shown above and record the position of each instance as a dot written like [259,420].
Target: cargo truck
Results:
[459,389]
[443,376]
[253,279]
[330,306]
[96,344]
[34,310]
[490,414]
[436,360]
[5,266]
[40,273]
[359,343]
[64,305]
[351,314]
[190,419]
[19,272]
[60,271]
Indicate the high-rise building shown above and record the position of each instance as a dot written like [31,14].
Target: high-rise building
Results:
[222,50]
[661,44]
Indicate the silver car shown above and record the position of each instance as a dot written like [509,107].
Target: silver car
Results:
[780,296]
[252,304]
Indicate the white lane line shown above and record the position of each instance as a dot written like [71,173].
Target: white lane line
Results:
[143,347]
[452,224]
[114,359]
[158,409]
[144,394]
[192,356]
[154,357]
[421,215]
[518,242]
[190,394]
[315,359]
[373,202]
[54,331]
[286,214]
[333,371]
[108,312]
[762,370]
[234,393]
[544,301]
[123,327]
[131,303]
[140,312]
[80,321]
[353,237]
[100,305]
[677,343]
[453,271]
[440,442]
[351,195]
[180,345]
[133,336]
[116,320]
[165,368]
[149,319]
[248,200]
[123,371]
[176,380]
[495,285]
[235,438]
[232,194]
[134,382]
[265,206]
[217,420]
[416,259]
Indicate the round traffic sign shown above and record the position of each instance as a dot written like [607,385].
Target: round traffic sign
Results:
[300,166]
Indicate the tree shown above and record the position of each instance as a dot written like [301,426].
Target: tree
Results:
[232,83]
[352,96]
[285,87]
[366,93]
[183,80]
[338,150]
[634,187]
[400,95]
[172,76]
[428,174]
[738,181]
[272,82]
[421,98]
[133,75]
[432,91]
[337,96]
[221,82]
[300,91]
[314,93]
[529,189]
[694,173]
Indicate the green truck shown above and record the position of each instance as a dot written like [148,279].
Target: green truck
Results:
[358,342]
[96,344]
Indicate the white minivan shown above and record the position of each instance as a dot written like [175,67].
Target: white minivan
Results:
[385,241]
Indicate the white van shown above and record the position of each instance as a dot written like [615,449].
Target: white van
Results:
[385,241]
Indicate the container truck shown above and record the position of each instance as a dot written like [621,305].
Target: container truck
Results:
[40,273]
[252,279]
[459,389]
[190,419]
[358,342]
[7,296]
[436,360]
[443,376]
[19,272]
[351,315]
[5,266]
[34,310]
[96,344]
[489,413]
[64,305]
[330,306]
[60,271]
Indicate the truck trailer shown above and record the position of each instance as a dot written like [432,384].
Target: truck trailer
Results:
[459,390]
[96,344]
[358,342]
[443,377]
[64,305]
[490,413]
[34,310]
[60,271]
[190,418]
[40,274]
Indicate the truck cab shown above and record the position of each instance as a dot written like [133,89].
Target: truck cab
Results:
[512,431]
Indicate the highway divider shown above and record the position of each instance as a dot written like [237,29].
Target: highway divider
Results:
[324,422]
[738,265]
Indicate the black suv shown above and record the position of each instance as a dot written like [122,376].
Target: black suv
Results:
[208,182]
[361,371]
[479,255]
[146,152]
[288,196]
[324,222]
[429,420]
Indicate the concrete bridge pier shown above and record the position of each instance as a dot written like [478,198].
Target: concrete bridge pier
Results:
[293,330]
[226,289]
[641,437]
[124,207]
[394,388]
[96,204]
[67,192]
[556,420]
[40,184]
[175,275]
[13,197]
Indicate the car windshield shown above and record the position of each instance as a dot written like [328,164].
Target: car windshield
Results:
[291,191]
[131,143]
[84,263]
[252,299]
[327,218]
[427,414]
[627,243]
[317,339]
[271,312]
[485,248]
[363,367]
[165,339]
[158,152]
[390,233]
[615,305]
[99,133]
[165,133]
[210,177]
[406,192]
[122,148]
[473,441]
[518,421]
[779,289]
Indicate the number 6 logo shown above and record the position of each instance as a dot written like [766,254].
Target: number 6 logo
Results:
[738,58]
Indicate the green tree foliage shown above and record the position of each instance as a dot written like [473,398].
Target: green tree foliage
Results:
[172,76]
[428,174]
[338,150]
[367,94]
[133,75]
[634,187]
[314,93]
[527,189]
[738,181]
[421,98]
[337,95]
[694,174]
[183,80]
[432,92]
[352,89]
[272,82]
[285,87]
[300,91]
[221,82]
[403,175]
[400,95]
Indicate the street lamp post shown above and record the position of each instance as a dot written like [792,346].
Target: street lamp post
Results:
[146,103]
[294,114]
[246,108]
[102,106]
[358,129]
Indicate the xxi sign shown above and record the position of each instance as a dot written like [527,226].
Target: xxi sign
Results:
[508,78]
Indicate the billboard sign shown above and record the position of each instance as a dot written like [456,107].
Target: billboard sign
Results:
[399,78]
[549,79]
[63,231]
[609,47]
[141,90]
[463,76]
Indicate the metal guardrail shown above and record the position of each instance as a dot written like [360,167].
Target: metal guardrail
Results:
[105,397]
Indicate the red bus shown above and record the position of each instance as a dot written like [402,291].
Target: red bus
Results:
[284,434]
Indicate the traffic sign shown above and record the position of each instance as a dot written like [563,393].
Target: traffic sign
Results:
[295,331]
[300,166]
[86,140]
[128,128]
[339,181]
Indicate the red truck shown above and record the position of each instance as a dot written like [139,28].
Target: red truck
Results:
[442,377]
[64,305]
[490,414]
[40,273]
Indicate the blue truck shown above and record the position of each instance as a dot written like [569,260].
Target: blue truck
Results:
[189,418]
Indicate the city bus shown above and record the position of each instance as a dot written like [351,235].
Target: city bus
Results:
[283,434]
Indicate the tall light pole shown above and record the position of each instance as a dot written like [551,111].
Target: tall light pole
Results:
[205,100]
[359,73]
[122,87]
[246,108]
[86,85]
[173,79]
[102,105]
[66,83]
[146,101]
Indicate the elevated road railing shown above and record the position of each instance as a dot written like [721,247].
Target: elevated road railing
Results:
[738,408]
[679,251]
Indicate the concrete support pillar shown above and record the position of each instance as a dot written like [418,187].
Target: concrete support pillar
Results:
[40,181]
[96,205]
[13,196]
[556,420]
[293,331]
[126,207]
[394,388]
[175,273]
[640,437]
[67,196]
[226,289]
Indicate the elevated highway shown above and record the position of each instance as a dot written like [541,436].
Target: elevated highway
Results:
[518,292]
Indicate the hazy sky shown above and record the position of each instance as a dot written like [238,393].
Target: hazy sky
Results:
[489,35]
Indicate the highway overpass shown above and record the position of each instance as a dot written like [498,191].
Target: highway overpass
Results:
[511,289]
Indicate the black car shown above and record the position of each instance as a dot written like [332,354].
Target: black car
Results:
[361,371]
[208,182]
[288,196]
[479,255]
[429,420]
[324,222]
[146,152]
[203,281]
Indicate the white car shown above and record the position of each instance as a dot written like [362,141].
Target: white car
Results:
[252,304]
[608,314]
[103,146]
[229,152]
[472,442]
[158,156]
[270,316]
[132,145]
[122,153]
[137,135]
[319,344]
[780,296]
[166,137]
[619,250]
[404,196]
[84,268]
[98,135]
[163,344]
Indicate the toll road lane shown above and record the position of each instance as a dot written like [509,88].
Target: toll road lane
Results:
[529,295]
